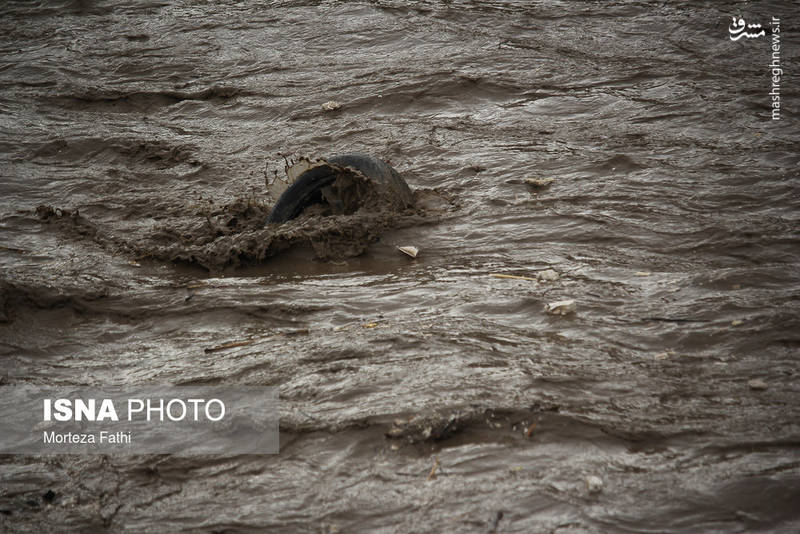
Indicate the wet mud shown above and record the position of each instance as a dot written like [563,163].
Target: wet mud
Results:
[237,234]
[620,155]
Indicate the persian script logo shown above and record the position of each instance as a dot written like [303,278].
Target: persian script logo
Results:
[739,29]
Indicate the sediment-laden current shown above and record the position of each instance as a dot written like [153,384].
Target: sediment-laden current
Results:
[620,154]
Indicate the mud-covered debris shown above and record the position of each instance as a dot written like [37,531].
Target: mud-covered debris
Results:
[433,427]
[432,473]
[331,105]
[548,275]
[395,432]
[234,234]
[410,251]
[594,484]
[757,384]
[71,221]
[296,167]
[539,183]
[561,307]
[530,429]
[493,524]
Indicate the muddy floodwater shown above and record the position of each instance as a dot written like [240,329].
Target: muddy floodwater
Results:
[620,154]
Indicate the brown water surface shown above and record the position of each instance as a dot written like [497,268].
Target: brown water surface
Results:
[144,129]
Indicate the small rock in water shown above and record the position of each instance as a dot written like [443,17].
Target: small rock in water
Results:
[331,105]
[394,432]
[548,275]
[561,307]
[539,182]
[594,484]
[757,384]
[411,251]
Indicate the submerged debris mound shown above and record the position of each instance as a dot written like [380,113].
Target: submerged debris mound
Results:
[342,185]
[338,219]
[68,220]
[430,427]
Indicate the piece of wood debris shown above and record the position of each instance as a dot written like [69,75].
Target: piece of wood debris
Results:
[14,249]
[432,474]
[409,250]
[229,345]
[513,277]
[539,182]
[250,341]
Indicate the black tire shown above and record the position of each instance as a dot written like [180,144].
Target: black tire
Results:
[379,171]
[307,188]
